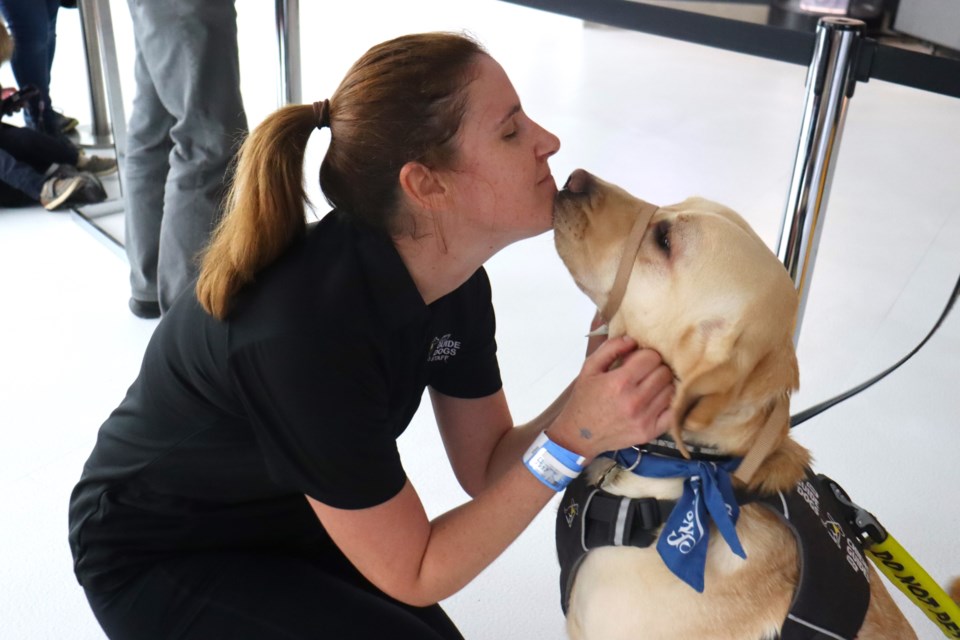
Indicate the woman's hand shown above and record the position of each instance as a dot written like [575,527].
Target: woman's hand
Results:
[612,407]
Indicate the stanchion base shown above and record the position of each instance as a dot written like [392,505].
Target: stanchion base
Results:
[90,140]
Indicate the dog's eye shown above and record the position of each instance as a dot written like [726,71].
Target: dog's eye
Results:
[661,234]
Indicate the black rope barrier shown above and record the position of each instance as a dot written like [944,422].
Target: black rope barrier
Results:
[881,61]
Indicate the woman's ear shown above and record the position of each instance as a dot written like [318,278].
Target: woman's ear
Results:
[422,185]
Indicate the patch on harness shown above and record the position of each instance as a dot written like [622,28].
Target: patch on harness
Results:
[833,590]
[571,511]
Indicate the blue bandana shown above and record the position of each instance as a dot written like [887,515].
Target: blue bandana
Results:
[707,490]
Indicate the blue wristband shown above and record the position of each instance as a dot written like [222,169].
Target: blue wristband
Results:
[551,464]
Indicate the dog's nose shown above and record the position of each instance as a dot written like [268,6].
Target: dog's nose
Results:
[578,182]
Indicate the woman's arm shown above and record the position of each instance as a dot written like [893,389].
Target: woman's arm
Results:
[479,436]
[420,562]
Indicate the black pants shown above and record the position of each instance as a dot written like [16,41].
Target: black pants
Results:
[243,595]
[25,155]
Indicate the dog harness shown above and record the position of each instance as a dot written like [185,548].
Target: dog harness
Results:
[833,590]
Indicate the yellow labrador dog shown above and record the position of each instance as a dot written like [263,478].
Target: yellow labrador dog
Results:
[715,302]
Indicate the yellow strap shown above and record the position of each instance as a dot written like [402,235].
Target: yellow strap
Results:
[904,572]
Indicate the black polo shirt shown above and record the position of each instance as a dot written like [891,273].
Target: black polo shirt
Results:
[304,389]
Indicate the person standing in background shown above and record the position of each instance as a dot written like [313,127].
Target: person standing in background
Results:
[33,24]
[186,124]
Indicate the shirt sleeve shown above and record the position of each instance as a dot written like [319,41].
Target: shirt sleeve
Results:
[318,409]
[475,371]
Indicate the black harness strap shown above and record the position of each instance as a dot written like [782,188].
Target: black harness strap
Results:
[590,517]
[833,590]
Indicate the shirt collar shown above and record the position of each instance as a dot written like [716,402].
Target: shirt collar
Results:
[394,295]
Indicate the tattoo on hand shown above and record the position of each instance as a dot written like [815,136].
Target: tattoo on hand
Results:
[586,434]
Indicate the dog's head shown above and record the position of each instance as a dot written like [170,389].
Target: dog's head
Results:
[704,291]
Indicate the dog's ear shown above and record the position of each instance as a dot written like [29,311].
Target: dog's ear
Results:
[705,394]
[713,388]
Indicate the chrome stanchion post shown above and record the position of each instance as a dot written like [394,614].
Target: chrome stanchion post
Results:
[97,19]
[288,39]
[830,84]
[101,51]
[100,127]
[103,23]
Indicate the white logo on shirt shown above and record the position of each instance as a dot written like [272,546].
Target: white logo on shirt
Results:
[442,349]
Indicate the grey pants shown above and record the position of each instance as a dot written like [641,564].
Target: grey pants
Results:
[186,124]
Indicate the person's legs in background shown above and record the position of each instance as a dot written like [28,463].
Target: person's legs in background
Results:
[21,176]
[12,198]
[205,100]
[54,156]
[35,148]
[145,173]
[25,184]
[188,69]
[33,24]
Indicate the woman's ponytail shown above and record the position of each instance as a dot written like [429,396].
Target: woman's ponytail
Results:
[264,211]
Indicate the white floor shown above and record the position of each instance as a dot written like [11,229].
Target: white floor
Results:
[663,118]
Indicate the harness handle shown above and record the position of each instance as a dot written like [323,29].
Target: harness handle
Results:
[899,567]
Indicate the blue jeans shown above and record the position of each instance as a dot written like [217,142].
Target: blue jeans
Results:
[20,183]
[33,25]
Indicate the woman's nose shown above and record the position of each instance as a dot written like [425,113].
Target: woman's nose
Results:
[549,144]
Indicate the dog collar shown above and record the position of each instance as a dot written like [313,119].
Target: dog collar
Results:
[666,446]
[631,247]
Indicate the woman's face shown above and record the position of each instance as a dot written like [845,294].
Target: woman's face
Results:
[503,190]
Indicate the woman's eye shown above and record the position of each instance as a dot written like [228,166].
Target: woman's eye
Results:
[662,236]
[512,134]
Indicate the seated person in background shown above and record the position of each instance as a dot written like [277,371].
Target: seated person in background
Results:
[36,167]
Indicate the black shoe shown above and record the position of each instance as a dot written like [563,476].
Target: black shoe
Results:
[64,123]
[91,190]
[146,309]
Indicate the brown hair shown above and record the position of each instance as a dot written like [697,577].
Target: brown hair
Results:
[6,43]
[403,100]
